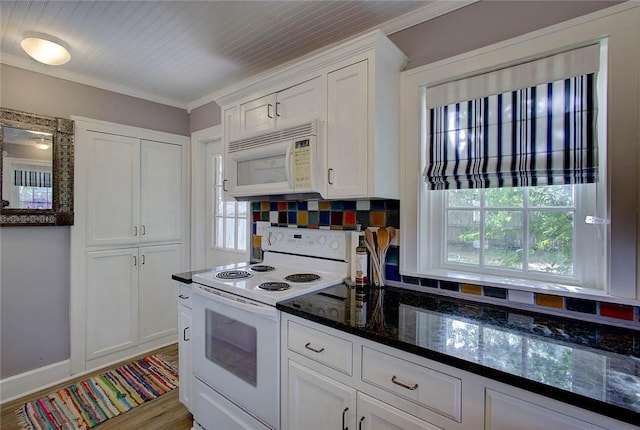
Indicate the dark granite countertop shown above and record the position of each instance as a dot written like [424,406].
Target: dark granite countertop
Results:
[589,365]
[187,277]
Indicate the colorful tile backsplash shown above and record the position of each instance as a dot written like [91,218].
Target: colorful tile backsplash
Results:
[336,215]
[348,214]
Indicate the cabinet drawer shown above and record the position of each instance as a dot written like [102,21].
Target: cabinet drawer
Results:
[184,294]
[426,387]
[327,349]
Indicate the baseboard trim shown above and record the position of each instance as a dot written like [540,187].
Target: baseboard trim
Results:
[34,380]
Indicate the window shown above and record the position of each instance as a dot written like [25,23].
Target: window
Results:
[532,232]
[230,217]
[30,184]
[520,171]
[607,263]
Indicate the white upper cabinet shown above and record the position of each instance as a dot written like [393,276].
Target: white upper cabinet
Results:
[347,146]
[300,103]
[135,189]
[354,89]
[160,186]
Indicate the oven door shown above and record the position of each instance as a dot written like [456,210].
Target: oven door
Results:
[237,350]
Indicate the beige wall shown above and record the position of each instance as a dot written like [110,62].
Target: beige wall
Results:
[34,261]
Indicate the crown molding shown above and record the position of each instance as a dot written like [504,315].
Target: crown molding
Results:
[33,66]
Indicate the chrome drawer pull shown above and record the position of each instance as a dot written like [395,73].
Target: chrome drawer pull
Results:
[313,349]
[402,384]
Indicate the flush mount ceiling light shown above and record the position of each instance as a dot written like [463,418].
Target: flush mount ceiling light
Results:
[45,49]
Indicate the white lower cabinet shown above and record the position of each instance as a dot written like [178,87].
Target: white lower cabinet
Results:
[185,364]
[386,388]
[505,412]
[130,298]
[376,415]
[317,402]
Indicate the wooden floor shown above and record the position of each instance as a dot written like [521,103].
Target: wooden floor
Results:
[163,413]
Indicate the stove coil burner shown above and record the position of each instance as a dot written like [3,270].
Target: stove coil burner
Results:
[274,286]
[302,277]
[234,274]
[262,268]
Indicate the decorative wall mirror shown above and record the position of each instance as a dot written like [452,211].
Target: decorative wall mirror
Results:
[36,169]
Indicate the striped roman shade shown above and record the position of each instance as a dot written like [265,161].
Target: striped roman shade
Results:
[528,124]
[541,135]
[28,178]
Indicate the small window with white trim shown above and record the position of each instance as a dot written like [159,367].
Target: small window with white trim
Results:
[513,173]
[229,216]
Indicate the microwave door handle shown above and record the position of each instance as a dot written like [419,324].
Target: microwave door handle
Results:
[288,167]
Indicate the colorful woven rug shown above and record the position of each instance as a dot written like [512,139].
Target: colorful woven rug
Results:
[90,402]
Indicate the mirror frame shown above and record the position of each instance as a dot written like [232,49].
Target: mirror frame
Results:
[61,212]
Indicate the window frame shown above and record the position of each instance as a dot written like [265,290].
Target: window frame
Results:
[219,196]
[584,272]
[616,29]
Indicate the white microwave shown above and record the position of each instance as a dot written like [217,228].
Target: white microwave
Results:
[286,164]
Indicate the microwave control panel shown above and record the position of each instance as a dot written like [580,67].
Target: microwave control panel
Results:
[302,164]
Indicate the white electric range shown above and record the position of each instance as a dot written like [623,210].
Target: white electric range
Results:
[236,333]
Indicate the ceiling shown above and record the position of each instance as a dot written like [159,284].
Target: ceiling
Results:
[183,53]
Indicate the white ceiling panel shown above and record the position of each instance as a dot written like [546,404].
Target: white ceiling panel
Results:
[177,52]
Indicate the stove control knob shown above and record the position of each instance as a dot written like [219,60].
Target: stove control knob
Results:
[321,312]
[335,245]
[272,239]
[333,313]
[322,240]
[279,236]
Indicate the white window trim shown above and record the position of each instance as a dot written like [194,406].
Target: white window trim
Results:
[618,27]
[437,252]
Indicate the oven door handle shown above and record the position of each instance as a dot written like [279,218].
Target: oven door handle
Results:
[240,303]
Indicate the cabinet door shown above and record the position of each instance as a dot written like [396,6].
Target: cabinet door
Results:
[299,103]
[160,191]
[113,184]
[504,412]
[112,301]
[231,124]
[318,402]
[347,123]
[185,365]
[258,115]
[376,415]
[158,300]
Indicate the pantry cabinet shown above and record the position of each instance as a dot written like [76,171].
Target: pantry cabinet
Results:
[353,89]
[291,106]
[129,291]
[135,190]
[129,237]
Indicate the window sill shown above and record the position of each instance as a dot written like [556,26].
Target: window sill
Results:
[519,284]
